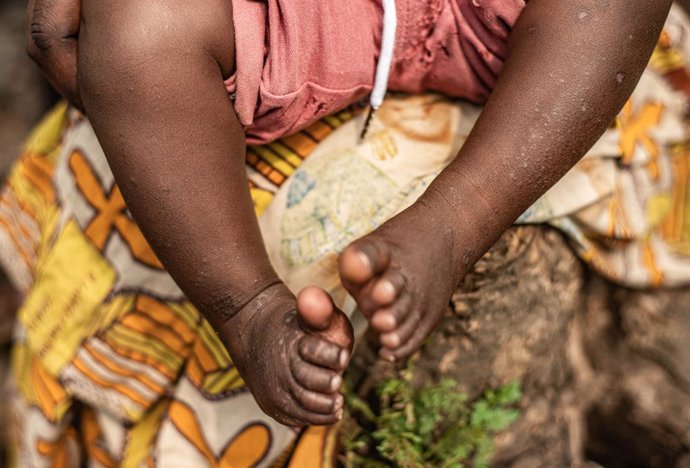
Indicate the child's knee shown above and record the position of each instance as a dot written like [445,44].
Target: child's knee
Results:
[126,39]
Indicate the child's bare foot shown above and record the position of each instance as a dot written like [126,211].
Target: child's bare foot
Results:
[292,353]
[402,276]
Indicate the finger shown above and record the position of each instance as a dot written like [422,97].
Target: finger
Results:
[53,20]
[323,353]
[315,378]
[387,319]
[59,66]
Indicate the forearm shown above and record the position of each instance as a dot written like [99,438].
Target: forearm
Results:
[570,68]
[156,99]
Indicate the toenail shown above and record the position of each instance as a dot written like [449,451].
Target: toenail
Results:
[390,321]
[343,357]
[365,259]
[388,290]
[336,382]
[386,356]
[393,340]
[384,322]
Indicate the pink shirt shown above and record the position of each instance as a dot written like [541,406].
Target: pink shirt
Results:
[300,60]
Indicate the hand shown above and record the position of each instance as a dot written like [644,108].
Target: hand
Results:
[52,37]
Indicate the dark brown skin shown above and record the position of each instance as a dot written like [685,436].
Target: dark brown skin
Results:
[685,4]
[571,67]
[151,76]
[52,31]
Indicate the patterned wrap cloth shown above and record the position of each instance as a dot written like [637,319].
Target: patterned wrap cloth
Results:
[111,364]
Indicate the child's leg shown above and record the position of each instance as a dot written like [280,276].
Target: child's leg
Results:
[151,75]
[570,69]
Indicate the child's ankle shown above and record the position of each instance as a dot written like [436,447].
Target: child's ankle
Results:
[223,308]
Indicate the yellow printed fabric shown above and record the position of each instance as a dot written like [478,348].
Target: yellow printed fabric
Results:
[112,366]
[110,361]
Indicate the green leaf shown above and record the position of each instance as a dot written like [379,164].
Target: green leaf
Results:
[429,426]
[484,452]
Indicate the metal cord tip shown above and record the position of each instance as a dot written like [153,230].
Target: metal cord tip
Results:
[367,122]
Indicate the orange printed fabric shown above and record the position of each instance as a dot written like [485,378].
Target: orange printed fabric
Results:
[109,358]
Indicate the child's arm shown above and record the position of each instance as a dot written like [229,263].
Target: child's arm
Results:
[571,66]
[151,77]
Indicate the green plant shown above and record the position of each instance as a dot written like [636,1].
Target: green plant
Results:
[430,426]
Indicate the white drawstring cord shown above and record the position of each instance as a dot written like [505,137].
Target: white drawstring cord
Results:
[383,67]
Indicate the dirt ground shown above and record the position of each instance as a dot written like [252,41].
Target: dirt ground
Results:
[605,371]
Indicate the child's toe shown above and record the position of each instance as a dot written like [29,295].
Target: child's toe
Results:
[315,378]
[399,337]
[387,288]
[413,342]
[302,416]
[323,353]
[315,402]
[363,260]
[315,308]
[387,319]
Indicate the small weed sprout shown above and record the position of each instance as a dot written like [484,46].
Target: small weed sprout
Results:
[419,427]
